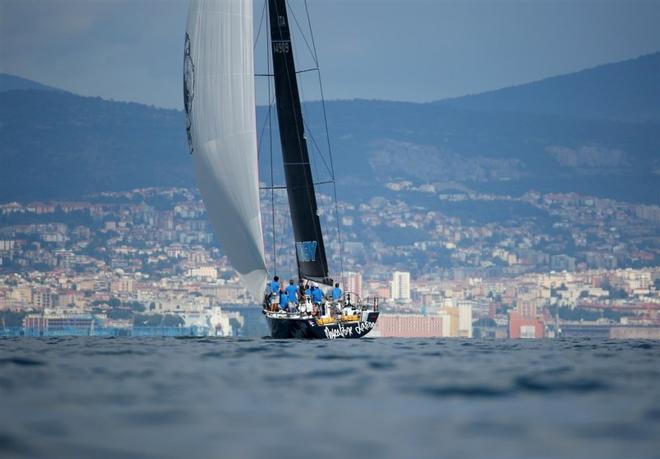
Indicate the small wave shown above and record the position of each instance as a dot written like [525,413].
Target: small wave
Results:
[560,370]
[214,355]
[532,384]
[283,355]
[321,374]
[21,361]
[434,353]
[209,340]
[117,352]
[337,357]
[380,365]
[464,391]
[133,374]
[254,349]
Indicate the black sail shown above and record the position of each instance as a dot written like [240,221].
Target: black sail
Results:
[310,251]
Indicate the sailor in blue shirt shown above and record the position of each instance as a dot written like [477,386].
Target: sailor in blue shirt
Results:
[275,285]
[317,299]
[274,294]
[336,293]
[292,292]
[308,291]
[317,295]
[284,300]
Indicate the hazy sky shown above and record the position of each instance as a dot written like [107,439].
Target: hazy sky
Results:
[412,50]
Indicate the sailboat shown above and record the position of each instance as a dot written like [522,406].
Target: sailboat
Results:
[219,99]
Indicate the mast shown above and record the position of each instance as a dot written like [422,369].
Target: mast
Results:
[310,250]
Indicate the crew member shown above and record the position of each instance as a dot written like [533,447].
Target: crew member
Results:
[275,285]
[292,292]
[336,293]
[284,300]
[275,292]
[317,298]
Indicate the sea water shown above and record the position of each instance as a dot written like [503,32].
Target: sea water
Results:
[403,398]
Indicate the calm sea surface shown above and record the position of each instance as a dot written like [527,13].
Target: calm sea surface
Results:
[234,398]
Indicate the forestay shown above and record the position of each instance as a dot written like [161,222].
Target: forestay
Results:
[220,107]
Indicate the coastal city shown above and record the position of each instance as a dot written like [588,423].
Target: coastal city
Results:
[145,263]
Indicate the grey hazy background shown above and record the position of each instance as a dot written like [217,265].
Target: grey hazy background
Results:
[395,50]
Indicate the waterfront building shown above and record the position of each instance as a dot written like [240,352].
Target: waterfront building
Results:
[58,324]
[353,283]
[521,326]
[409,326]
[400,286]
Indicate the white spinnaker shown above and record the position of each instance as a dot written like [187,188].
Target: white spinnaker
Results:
[220,101]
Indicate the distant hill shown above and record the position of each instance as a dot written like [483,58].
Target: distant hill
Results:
[627,91]
[11,82]
[58,144]
[493,151]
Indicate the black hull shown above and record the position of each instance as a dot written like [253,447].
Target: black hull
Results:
[300,328]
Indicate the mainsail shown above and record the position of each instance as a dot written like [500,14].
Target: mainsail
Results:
[220,107]
[310,251]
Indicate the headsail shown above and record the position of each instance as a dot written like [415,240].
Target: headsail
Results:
[220,107]
[310,251]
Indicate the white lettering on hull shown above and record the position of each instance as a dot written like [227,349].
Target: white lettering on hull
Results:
[343,332]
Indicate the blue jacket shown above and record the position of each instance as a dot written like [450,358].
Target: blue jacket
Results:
[308,292]
[336,294]
[292,292]
[317,295]
[274,287]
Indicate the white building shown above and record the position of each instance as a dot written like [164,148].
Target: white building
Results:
[353,283]
[205,272]
[400,286]
[465,318]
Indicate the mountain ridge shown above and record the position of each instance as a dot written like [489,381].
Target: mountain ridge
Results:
[58,144]
[637,99]
[10,82]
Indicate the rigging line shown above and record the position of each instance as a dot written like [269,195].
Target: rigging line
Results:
[263,128]
[325,116]
[306,131]
[302,33]
[316,146]
[306,127]
[339,238]
[270,142]
[310,69]
[310,196]
[261,21]
[298,72]
[284,187]
[327,136]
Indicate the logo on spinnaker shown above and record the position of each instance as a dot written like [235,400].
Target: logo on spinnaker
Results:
[188,88]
